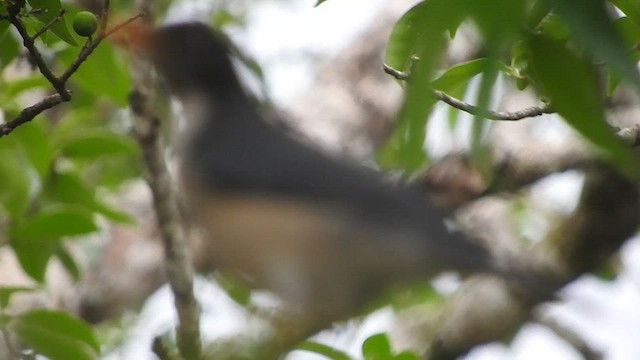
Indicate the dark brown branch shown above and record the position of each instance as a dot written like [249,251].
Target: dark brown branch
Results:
[62,95]
[37,57]
[28,113]
[472,109]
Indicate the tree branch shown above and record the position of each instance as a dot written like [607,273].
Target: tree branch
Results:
[28,113]
[472,109]
[178,261]
[59,84]
[485,309]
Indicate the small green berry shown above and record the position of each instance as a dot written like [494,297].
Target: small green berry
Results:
[85,23]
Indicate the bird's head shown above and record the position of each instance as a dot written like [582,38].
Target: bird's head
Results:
[191,57]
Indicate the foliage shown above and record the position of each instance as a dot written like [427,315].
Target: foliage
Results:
[556,47]
[56,169]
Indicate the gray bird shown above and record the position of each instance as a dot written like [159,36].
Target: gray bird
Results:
[324,235]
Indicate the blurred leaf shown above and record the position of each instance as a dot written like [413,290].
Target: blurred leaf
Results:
[594,29]
[55,223]
[29,82]
[17,180]
[519,61]
[419,294]
[322,349]
[628,30]
[454,113]
[103,74]
[376,347]
[35,142]
[237,289]
[9,45]
[412,31]
[555,28]
[113,172]
[614,80]
[406,355]
[7,291]
[570,82]
[67,261]
[69,187]
[53,8]
[417,37]
[459,74]
[33,256]
[98,142]
[538,11]
[57,335]
[498,20]
[631,8]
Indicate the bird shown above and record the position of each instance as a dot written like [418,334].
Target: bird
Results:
[326,236]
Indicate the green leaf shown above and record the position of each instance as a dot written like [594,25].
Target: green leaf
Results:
[376,347]
[67,260]
[593,28]
[29,82]
[33,256]
[459,74]
[538,11]
[7,291]
[57,335]
[9,45]
[17,178]
[69,187]
[628,30]
[498,20]
[554,27]
[35,142]
[98,142]
[419,34]
[631,8]
[322,349]
[570,82]
[103,74]
[237,290]
[53,8]
[406,355]
[55,223]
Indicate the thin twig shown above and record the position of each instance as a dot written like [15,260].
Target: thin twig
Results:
[49,24]
[490,114]
[472,109]
[123,24]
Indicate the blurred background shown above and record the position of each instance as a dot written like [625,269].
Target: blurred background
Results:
[321,70]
